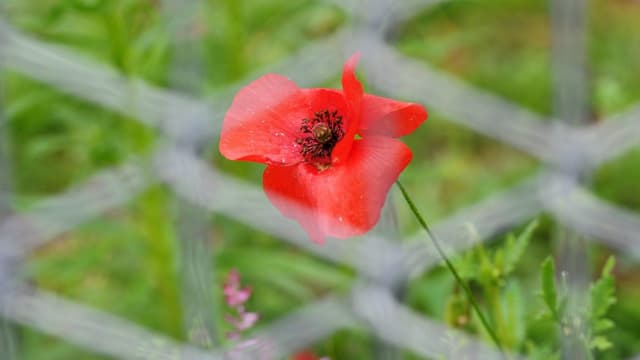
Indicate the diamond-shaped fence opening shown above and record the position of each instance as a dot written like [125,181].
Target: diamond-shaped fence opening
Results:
[568,149]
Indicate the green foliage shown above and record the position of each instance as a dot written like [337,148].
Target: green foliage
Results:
[492,267]
[549,292]
[514,249]
[491,271]
[602,296]
[458,310]
[593,313]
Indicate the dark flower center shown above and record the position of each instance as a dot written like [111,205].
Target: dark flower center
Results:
[321,132]
[319,136]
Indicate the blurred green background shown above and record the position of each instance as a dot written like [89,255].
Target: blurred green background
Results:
[125,262]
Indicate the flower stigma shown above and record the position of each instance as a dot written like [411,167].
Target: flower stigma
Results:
[321,132]
[319,136]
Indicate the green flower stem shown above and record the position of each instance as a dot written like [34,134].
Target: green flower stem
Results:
[453,270]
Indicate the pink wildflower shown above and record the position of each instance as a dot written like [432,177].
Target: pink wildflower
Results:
[236,297]
[245,321]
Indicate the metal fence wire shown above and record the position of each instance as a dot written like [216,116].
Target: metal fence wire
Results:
[567,147]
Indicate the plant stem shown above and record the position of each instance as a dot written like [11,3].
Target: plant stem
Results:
[453,270]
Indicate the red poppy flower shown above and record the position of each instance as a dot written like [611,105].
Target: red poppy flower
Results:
[331,155]
[305,355]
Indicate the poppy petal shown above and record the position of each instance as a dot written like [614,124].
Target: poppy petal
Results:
[353,92]
[351,198]
[290,190]
[351,86]
[320,99]
[344,200]
[387,117]
[264,121]
[305,355]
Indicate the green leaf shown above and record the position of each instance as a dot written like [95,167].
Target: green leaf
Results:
[467,265]
[514,314]
[602,296]
[608,266]
[600,343]
[603,292]
[549,293]
[602,325]
[515,247]
[487,272]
